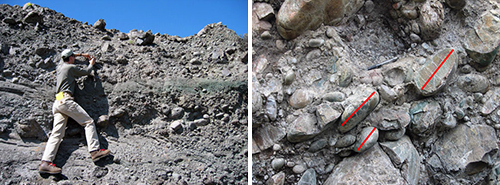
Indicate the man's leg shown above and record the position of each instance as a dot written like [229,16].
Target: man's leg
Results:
[56,137]
[52,145]
[76,112]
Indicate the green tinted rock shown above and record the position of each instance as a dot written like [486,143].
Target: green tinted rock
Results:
[372,139]
[439,80]
[482,42]
[353,103]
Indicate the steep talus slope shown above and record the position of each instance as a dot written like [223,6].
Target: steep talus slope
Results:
[171,109]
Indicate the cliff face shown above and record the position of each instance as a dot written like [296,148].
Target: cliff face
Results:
[170,109]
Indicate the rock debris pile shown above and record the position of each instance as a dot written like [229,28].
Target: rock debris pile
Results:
[172,110]
[316,62]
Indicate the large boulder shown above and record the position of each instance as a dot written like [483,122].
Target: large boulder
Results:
[370,167]
[467,149]
[297,16]
[441,77]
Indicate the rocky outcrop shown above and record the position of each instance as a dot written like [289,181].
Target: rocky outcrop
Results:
[390,48]
[165,119]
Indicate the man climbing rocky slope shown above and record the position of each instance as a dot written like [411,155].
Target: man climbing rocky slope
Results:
[325,112]
[172,110]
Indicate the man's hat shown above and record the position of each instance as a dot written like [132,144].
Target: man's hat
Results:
[66,53]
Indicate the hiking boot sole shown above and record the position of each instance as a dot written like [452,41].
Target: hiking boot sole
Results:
[99,158]
[46,172]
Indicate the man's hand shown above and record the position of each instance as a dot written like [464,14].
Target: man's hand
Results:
[86,55]
[92,60]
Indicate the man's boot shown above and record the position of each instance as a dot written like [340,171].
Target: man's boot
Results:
[99,154]
[48,167]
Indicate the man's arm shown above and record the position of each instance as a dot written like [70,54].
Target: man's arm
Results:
[86,71]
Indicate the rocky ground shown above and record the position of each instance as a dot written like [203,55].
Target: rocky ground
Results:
[172,110]
[314,64]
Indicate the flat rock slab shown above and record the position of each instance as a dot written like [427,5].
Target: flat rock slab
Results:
[404,155]
[370,167]
[266,136]
[467,149]
[439,80]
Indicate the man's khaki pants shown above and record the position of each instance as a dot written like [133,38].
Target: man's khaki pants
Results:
[62,109]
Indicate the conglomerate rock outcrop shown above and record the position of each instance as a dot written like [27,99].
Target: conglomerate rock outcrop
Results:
[445,130]
[171,109]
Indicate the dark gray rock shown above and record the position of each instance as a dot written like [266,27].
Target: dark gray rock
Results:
[366,139]
[354,102]
[33,17]
[100,25]
[425,115]
[345,141]
[473,148]
[318,145]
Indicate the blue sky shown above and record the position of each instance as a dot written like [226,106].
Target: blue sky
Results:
[182,17]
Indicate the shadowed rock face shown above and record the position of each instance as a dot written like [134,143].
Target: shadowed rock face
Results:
[171,109]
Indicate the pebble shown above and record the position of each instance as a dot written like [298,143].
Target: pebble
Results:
[276,147]
[278,163]
[334,97]
[369,6]
[266,35]
[314,43]
[299,169]
[473,83]
[318,145]
[300,98]
[289,77]
[290,164]
[345,141]
[415,38]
